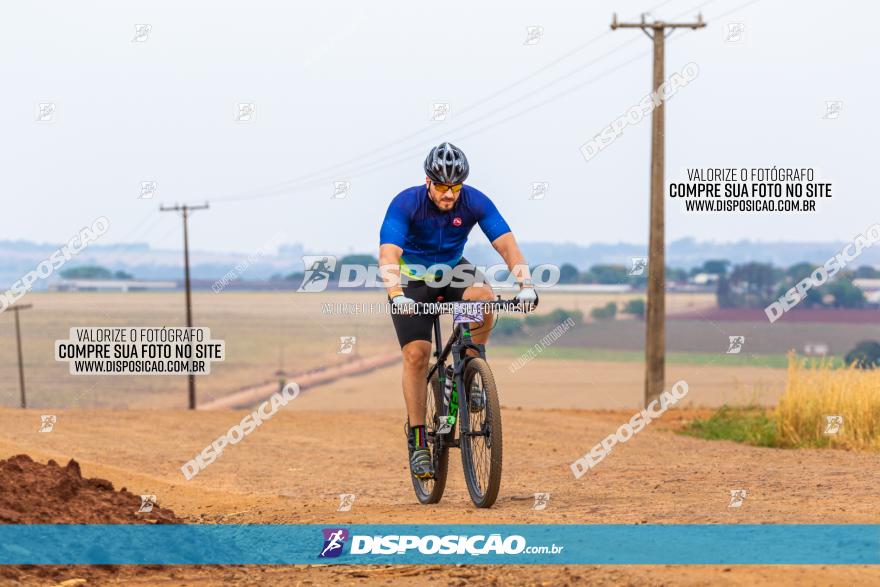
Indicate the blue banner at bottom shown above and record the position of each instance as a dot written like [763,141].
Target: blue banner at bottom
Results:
[732,544]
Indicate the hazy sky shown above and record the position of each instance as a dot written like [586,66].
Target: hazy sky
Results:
[343,91]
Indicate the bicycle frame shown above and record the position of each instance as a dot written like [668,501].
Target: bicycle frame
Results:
[473,395]
[457,346]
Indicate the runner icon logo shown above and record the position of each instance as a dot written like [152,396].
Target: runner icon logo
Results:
[334,541]
[737,497]
[147,503]
[47,422]
[833,109]
[346,500]
[736,344]
[541,501]
[318,270]
[639,264]
[735,31]
[833,424]
[439,111]
[346,345]
[534,34]
[539,190]
[341,189]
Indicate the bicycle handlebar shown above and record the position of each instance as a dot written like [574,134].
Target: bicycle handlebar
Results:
[442,307]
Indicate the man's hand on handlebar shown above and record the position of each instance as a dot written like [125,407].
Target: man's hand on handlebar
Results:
[527,296]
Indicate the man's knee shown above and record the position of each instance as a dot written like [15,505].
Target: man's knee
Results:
[416,354]
[481,293]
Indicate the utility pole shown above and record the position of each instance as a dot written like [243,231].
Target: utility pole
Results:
[17,309]
[655,335]
[186,210]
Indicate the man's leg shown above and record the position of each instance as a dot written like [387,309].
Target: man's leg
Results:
[415,386]
[415,390]
[481,292]
[414,335]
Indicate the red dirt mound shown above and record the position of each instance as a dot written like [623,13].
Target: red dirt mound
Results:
[33,493]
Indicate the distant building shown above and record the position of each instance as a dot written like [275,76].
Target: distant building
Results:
[111,285]
[817,349]
[704,278]
[869,287]
[689,286]
[866,284]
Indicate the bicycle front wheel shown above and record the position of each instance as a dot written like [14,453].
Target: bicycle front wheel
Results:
[481,433]
[430,491]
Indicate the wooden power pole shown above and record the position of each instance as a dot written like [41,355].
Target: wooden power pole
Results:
[186,209]
[655,335]
[17,309]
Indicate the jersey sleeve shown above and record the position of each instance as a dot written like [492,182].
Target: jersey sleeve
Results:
[491,222]
[395,227]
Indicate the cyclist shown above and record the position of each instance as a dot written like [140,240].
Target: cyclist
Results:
[421,241]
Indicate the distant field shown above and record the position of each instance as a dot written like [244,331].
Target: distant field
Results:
[585,302]
[672,358]
[264,331]
[796,314]
[709,336]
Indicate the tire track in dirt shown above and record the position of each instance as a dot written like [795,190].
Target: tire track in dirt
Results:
[291,470]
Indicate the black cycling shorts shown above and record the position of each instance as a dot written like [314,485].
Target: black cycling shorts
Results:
[418,326]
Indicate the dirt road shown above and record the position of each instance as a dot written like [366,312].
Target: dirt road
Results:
[292,468]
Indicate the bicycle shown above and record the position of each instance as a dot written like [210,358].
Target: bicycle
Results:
[477,417]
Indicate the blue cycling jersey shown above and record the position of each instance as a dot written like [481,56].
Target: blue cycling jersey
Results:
[430,236]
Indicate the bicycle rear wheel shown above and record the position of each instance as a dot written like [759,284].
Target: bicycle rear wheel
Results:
[431,490]
[481,434]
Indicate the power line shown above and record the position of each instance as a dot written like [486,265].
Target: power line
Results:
[372,153]
[547,66]
[406,154]
[302,183]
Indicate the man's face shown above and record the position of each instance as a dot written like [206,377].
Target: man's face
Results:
[446,200]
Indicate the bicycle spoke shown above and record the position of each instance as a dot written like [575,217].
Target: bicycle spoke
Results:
[480,445]
[431,490]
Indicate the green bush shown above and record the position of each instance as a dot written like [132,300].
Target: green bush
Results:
[555,317]
[505,326]
[606,312]
[749,424]
[866,355]
[635,307]
[87,272]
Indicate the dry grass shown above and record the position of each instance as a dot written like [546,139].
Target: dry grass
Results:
[816,390]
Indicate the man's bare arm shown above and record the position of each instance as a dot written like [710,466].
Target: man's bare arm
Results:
[509,251]
[389,268]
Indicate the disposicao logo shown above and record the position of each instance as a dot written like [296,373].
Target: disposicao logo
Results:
[334,541]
